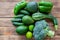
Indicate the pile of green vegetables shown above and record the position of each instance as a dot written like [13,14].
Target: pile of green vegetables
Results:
[30,18]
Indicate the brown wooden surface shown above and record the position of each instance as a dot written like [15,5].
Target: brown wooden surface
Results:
[7,30]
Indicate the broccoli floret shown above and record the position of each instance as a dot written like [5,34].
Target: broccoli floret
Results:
[42,24]
[41,35]
[51,33]
[41,30]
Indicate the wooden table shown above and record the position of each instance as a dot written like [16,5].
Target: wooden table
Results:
[7,30]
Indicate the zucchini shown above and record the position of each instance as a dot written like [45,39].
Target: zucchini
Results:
[55,22]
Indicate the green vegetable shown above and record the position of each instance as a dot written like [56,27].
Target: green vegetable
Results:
[27,20]
[16,20]
[55,22]
[29,35]
[32,7]
[42,24]
[21,30]
[24,12]
[17,23]
[31,27]
[45,6]
[41,35]
[19,6]
[51,33]
[40,16]
[41,30]
[19,16]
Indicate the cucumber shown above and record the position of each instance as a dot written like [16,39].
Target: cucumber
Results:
[16,20]
[19,16]
[24,12]
[17,24]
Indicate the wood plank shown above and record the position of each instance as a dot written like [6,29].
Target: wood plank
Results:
[16,37]
[11,37]
[26,0]
[7,31]
[6,22]
[13,0]
[9,0]
[6,9]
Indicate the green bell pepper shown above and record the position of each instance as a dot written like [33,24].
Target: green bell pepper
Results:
[19,6]
[45,7]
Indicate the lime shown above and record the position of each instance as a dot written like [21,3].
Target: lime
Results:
[29,35]
[31,27]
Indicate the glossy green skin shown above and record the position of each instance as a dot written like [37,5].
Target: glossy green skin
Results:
[27,20]
[19,6]
[17,24]
[16,20]
[19,16]
[31,27]
[24,12]
[21,30]
[45,7]
[29,35]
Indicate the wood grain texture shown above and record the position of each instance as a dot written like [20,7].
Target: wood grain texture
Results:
[7,29]
[17,37]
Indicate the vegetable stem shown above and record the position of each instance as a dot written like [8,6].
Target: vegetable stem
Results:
[51,33]
[56,27]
